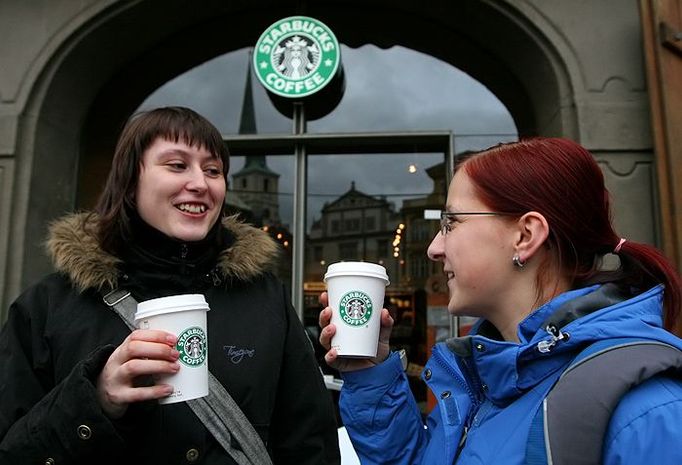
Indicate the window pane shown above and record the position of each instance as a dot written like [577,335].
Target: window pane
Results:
[370,207]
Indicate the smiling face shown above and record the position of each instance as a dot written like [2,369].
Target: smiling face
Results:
[180,190]
[476,254]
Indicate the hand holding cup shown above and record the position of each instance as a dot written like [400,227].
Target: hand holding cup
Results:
[328,330]
[355,293]
[142,353]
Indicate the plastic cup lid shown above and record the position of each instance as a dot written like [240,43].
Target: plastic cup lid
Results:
[371,270]
[171,304]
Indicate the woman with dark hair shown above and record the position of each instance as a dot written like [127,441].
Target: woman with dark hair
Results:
[76,384]
[523,237]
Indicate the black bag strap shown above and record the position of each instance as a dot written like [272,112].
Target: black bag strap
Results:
[219,413]
[571,423]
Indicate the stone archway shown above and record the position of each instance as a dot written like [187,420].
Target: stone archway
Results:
[115,59]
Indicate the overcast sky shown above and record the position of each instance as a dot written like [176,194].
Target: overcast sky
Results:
[386,90]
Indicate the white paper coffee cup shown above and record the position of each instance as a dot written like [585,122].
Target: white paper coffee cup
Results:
[356,297]
[184,316]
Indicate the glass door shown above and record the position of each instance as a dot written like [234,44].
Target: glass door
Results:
[361,197]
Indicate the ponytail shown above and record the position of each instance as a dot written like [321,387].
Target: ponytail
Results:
[644,266]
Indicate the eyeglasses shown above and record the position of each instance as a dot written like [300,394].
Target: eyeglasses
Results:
[448,218]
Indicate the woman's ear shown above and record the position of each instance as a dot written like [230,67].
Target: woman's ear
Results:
[533,230]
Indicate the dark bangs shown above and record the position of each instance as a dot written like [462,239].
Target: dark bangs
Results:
[178,124]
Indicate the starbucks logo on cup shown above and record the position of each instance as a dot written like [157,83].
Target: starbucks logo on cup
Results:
[296,57]
[355,308]
[192,347]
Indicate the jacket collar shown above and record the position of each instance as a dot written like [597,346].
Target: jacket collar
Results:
[147,240]
[75,251]
[583,316]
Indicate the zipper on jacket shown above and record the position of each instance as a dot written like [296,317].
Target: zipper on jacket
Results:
[185,268]
[473,376]
[462,442]
[475,407]
[475,401]
[473,420]
[474,396]
[215,277]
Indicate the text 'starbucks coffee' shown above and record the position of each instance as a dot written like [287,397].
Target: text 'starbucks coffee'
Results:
[184,316]
[296,57]
[356,297]
[298,61]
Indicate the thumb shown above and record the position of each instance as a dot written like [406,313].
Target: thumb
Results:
[386,326]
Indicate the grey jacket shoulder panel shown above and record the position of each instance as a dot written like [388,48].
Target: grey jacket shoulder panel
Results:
[73,247]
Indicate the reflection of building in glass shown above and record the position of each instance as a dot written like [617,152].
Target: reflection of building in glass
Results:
[254,196]
[235,205]
[355,226]
[419,232]
[417,272]
[257,186]
[253,191]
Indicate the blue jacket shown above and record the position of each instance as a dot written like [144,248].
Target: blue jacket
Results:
[490,389]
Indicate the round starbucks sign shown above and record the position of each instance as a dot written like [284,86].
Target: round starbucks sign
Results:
[296,57]
[192,347]
[355,308]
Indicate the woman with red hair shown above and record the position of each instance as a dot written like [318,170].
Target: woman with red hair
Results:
[523,236]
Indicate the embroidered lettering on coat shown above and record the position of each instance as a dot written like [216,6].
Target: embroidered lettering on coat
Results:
[236,354]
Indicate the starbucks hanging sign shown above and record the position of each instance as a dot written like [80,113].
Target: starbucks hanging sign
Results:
[296,57]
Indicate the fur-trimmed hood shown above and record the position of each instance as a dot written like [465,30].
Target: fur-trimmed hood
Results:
[75,251]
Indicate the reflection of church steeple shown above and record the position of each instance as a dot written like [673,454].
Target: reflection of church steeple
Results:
[256,184]
[247,123]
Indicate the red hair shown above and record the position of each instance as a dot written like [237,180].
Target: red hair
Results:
[561,180]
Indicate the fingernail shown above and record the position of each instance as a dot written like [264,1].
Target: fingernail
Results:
[175,354]
[171,339]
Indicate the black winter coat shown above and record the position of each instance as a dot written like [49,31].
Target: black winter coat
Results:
[59,335]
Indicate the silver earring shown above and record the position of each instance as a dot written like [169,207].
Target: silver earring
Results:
[516,260]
